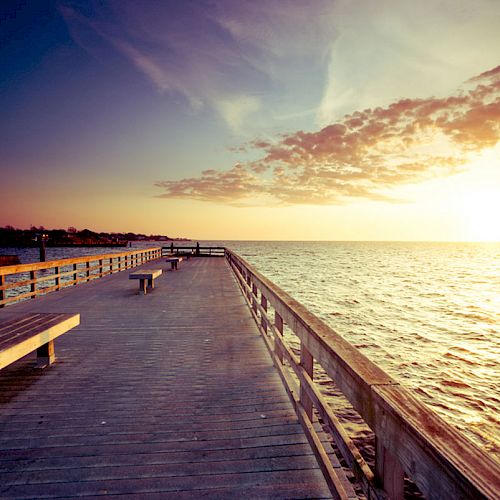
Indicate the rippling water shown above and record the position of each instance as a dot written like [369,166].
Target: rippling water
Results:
[428,313]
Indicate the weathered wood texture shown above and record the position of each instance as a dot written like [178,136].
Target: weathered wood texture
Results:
[26,333]
[411,438]
[171,395]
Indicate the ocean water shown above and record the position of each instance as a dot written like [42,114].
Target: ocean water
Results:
[427,313]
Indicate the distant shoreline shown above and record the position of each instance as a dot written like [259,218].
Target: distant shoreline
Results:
[72,237]
[92,245]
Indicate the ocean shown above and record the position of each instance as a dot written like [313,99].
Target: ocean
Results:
[427,313]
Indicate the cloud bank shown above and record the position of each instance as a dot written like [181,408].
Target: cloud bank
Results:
[361,156]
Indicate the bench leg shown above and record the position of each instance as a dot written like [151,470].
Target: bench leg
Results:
[142,286]
[151,283]
[45,355]
[172,265]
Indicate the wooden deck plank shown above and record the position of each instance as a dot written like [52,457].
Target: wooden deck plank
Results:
[114,460]
[307,480]
[173,426]
[274,464]
[168,393]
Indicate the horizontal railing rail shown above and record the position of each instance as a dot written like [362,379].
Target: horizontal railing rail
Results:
[24,281]
[410,438]
[200,251]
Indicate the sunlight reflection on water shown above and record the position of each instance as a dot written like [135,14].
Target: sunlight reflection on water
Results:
[428,313]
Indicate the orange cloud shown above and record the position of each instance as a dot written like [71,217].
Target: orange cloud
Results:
[224,186]
[407,142]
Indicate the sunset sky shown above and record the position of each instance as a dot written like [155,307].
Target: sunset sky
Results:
[222,119]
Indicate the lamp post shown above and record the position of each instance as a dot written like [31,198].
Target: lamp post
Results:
[42,238]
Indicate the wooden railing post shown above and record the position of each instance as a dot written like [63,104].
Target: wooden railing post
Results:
[111,265]
[75,274]
[263,303]
[254,298]
[100,268]
[87,273]
[278,323]
[307,362]
[247,277]
[33,284]
[388,472]
[57,278]
[2,294]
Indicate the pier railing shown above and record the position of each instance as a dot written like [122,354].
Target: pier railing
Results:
[30,280]
[410,438]
[199,251]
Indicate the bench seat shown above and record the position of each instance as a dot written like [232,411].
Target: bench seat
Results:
[174,261]
[142,276]
[26,333]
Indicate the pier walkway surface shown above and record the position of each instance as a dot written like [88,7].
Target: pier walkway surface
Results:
[166,395]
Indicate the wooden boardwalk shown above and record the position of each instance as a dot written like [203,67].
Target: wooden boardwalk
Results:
[171,394]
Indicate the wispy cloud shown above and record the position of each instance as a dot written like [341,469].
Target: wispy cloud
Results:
[362,155]
[224,55]
[388,50]
[236,110]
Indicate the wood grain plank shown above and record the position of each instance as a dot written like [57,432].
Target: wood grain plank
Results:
[12,349]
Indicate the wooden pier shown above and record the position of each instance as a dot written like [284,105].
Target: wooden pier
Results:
[170,394]
[193,390]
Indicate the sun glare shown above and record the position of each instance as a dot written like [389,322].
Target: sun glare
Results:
[481,215]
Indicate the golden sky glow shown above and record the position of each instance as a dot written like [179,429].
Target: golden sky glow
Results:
[372,121]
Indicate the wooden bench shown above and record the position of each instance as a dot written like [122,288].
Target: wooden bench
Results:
[174,261]
[144,275]
[22,334]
